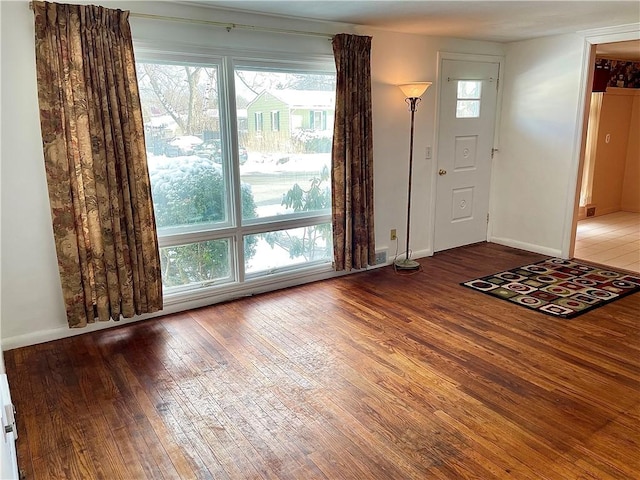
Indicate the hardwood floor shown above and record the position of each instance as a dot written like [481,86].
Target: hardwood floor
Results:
[368,376]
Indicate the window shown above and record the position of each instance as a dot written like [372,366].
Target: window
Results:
[468,103]
[318,120]
[275,121]
[195,264]
[259,121]
[288,170]
[308,243]
[234,201]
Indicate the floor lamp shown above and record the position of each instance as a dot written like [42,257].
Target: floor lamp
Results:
[413,92]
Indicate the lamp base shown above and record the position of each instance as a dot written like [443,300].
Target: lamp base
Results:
[406,264]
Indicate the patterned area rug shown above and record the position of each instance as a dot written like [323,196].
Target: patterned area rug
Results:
[562,288]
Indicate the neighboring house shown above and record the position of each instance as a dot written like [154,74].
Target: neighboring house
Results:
[285,111]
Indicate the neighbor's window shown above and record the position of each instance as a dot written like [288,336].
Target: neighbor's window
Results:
[469,94]
[258,121]
[275,121]
[319,120]
[202,165]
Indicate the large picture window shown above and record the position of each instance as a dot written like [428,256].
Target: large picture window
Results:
[234,200]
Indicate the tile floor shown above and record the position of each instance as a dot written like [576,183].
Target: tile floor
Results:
[612,240]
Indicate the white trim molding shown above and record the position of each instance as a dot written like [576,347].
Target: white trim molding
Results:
[619,33]
[530,247]
[592,38]
[469,57]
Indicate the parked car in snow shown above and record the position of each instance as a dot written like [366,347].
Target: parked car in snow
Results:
[182,145]
[210,149]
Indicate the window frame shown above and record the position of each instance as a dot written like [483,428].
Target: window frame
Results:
[322,123]
[236,228]
[275,120]
[476,100]
[259,121]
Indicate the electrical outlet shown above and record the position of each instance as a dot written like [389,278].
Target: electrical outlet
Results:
[393,235]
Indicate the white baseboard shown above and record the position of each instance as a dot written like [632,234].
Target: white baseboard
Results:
[530,247]
[421,253]
[42,336]
[415,254]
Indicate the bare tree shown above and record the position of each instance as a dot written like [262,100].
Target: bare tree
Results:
[193,74]
[181,92]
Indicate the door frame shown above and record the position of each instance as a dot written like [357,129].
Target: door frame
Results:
[591,39]
[499,59]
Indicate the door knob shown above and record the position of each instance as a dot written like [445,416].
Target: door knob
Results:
[442,172]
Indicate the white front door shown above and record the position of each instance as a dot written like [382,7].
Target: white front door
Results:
[468,94]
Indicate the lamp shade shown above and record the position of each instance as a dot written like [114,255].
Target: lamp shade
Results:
[414,90]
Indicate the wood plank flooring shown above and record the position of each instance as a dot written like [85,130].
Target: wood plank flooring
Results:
[368,376]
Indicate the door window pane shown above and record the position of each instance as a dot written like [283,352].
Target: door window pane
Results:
[469,94]
[469,89]
[286,248]
[286,168]
[468,109]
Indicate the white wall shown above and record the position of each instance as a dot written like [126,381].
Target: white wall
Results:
[534,171]
[31,299]
[397,59]
[32,310]
[2,369]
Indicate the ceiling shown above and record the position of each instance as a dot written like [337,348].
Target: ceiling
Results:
[499,21]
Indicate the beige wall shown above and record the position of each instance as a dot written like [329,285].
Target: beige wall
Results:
[631,183]
[611,155]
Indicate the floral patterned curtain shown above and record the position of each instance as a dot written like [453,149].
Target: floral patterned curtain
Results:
[95,159]
[352,155]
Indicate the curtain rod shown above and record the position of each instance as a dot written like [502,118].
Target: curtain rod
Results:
[227,26]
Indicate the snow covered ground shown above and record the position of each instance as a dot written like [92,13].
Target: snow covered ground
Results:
[284,162]
[262,163]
